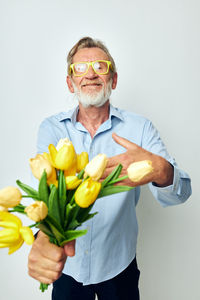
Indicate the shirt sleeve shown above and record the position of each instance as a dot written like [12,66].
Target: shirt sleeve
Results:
[181,189]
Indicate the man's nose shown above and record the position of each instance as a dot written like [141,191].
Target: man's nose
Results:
[91,73]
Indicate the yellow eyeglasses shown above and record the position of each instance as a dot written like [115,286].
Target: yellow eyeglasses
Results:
[100,67]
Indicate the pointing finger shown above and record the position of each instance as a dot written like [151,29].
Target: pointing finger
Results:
[122,141]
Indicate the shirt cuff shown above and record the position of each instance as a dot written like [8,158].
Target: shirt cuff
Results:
[176,193]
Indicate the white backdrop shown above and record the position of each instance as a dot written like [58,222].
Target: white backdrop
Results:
[156,46]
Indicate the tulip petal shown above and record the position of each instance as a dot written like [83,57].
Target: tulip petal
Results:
[65,157]
[137,170]
[9,235]
[72,170]
[27,235]
[82,161]
[6,216]
[8,224]
[10,196]
[96,167]
[72,182]
[52,154]
[4,245]
[14,247]
[87,192]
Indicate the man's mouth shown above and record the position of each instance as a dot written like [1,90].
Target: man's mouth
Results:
[91,84]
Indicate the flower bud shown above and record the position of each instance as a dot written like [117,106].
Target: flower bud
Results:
[39,164]
[137,170]
[82,161]
[64,157]
[10,196]
[72,182]
[96,167]
[37,211]
[72,170]
[61,143]
[2,208]
[14,234]
[87,192]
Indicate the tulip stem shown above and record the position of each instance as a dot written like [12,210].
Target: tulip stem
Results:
[34,225]
[72,200]
[118,179]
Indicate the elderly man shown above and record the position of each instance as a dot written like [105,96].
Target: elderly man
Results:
[104,262]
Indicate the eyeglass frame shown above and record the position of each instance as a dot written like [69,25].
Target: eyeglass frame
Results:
[90,63]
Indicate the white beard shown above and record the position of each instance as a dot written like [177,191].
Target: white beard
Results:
[96,99]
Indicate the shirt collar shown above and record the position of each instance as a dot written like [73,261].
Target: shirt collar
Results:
[71,114]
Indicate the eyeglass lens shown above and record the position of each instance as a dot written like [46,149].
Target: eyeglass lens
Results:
[100,67]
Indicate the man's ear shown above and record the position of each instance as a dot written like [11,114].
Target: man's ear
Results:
[69,83]
[114,81]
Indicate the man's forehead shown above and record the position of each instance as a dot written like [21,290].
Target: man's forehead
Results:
[89,54]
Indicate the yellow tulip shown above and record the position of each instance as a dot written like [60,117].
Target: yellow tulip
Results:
[14,234]
[52,179]
[72,182]
[37,211]
[137,170]
[72,170]
[63,158]
[82,161]
[41,163]
[87,192]
[2,208]
[61,143]
[10,196]
[96,167]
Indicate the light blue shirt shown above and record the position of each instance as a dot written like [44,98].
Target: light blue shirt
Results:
[110,243]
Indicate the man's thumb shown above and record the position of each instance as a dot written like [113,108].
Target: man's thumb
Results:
[70,248]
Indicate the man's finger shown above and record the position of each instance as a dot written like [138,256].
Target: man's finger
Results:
[114,161]
[122,141]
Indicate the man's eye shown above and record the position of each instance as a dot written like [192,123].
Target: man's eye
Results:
[97,65]
[80,68]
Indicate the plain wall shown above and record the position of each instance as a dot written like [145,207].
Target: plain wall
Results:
[156,46]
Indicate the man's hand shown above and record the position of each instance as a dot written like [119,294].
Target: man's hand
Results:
[46,260]
[162,174]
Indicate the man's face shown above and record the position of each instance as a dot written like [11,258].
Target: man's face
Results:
[91,89]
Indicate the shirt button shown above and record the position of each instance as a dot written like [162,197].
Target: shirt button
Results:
[86,252]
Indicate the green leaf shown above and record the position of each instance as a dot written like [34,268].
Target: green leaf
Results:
[72,235]
[58,235]
[43,189]
[80,174]
[28,190]
[62,195]
[73,225]
[71,214]
[117,172]
[109,190]
[83,213]
[90,216]
[69,208]
[113,175]
[45,228]
[51,220]
[53,204]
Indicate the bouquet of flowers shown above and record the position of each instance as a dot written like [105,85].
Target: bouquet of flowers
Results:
[68,187]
